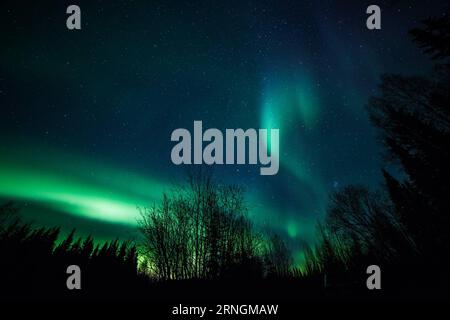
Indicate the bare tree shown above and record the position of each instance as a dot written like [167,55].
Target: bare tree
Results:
[200,230]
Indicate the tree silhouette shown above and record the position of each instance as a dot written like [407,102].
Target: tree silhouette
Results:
[434,36]
[200,231]
[406,231]
[278,258]
[33,262]
[361,228]
[413,119]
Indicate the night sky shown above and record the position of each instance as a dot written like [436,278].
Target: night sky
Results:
[86,115]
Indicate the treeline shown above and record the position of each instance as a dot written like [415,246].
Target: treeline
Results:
[405,225]
[33,262]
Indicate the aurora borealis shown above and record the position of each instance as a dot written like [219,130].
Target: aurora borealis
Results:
[87,115]
[102,196]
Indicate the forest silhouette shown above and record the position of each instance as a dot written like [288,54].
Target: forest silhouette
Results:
[199,242]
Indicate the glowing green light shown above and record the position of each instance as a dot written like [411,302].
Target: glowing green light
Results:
[292,229]
[288,105]
[110,194]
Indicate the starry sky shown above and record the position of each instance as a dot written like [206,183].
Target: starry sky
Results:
[86,115]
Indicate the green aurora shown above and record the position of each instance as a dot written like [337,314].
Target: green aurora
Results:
[106,195]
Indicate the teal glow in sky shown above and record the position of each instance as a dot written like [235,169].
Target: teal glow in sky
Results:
[293,106]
